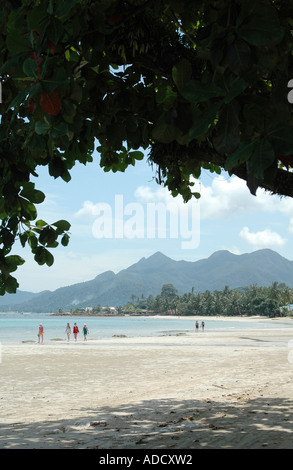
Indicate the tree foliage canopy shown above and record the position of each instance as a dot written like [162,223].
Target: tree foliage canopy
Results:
[253,300]
[195,84]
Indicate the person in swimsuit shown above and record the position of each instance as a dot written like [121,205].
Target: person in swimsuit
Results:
[75,331]
[41,333]
[85,332]
[68,331]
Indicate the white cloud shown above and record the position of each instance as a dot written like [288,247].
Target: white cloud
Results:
[225,197]
[146,195]
[286,208]
[228,197]
[88,210]
[290,228]
[263,239]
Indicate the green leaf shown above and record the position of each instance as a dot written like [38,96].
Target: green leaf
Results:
[65,240]
[241,155]
[253,117]
[282,140]
[37,18]
[40,255]
[49,258]
[32,241]
[63,7]
[41,223]
[50,9]
[20,98]
[15,20]
[247,8]
[137,155]
[68,111]
[30,68]
[59,78]
[181,73]
[66,176]
[42,128]
[33,195]
[60,130]
[55,30]
[17,43]
[263,28]
[165,130]
[13,261]
[237,87]
[43,256]
[197,92]
[166,96]
[10,284]
[62,225]
[28,209]
[202,121]
[23,238]
[227,130]
[238,56]
[262,157]
[47,236]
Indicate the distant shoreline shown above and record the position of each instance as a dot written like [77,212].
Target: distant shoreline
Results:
[159,315]
[173,316]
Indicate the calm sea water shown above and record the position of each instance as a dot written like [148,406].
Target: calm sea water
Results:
[15,328]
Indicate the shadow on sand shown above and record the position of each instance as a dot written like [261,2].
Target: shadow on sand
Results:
[163,424]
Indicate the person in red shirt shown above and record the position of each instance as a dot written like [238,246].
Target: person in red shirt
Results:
[75,331]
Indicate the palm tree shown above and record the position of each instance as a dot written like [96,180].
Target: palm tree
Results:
[274,292]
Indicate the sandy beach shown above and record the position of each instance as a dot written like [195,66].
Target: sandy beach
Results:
[201,390]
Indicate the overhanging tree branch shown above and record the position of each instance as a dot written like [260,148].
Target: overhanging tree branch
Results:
[202,84]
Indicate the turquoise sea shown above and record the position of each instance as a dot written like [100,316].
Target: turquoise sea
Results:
[15,328]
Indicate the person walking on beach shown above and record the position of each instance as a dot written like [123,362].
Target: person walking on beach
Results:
[85,332]
[202,326]
[196,325]
[75,331]
[68,331]
[41,333]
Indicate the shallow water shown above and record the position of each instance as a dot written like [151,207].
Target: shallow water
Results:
[24,327]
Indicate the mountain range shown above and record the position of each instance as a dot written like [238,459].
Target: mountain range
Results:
[147,276]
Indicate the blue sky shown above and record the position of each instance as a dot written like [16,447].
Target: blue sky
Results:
[226,217]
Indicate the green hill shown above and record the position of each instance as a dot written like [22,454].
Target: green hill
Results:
[147,276]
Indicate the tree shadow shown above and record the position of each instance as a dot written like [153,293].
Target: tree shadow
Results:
[164,424]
